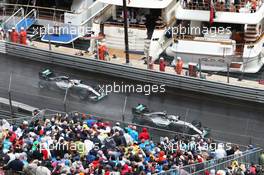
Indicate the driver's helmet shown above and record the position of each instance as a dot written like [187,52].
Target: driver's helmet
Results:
[76,82]
[173,117]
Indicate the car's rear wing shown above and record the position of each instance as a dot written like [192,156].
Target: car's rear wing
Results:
[140,109]
[47,73]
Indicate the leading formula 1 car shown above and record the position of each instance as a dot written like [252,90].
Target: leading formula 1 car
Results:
[143,116]
[48,80]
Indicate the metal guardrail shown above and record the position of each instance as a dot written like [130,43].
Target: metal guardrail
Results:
[129,72]
[247,157]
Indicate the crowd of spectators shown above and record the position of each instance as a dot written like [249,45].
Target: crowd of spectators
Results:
[77,144]
[236,168]
[242,6]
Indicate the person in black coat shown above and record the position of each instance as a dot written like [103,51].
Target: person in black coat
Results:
[15,165]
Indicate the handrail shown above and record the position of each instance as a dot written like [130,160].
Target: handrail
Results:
[134,25]
[191,38]
[32,11]
[37,7]
[224,160]
[219,7]
[96,13]
[20,9]
[257,150]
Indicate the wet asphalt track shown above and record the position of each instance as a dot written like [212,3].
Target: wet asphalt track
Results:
[232,120]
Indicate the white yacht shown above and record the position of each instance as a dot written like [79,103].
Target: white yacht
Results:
[147,19]
[232,41]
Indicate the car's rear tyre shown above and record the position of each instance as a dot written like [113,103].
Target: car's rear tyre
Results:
[42,85]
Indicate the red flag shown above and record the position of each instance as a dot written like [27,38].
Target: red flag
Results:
[212,12]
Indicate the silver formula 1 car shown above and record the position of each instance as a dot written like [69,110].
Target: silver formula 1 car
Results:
[143,116]
[48,80]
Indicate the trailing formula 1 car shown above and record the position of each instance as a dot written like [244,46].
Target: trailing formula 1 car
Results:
[48,80]
[143,116]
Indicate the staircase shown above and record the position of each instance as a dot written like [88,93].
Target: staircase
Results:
[14,19]
[114,38]
[65,36]
[27,21]
[252,32]
[19,19]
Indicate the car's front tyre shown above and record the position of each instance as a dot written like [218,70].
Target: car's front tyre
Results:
[83,94]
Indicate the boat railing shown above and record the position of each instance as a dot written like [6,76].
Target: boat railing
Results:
[214,40]
[48,13]
[242,7]
[133,25]
[13,19]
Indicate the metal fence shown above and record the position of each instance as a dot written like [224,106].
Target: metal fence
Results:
[248,157]
[24,88]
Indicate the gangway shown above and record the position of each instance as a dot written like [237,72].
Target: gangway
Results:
[18,20]
[68,33]
[27,21]
[13,19]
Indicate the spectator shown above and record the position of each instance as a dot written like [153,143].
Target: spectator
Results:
[84,145]
[237,151]
[15,165]
[220,152]
[144,134]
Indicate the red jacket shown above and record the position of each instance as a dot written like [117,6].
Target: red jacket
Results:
[45,154]
[12,137]
[14,36]
[144,134]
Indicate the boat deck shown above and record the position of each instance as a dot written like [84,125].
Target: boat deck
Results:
[136,61]
[61,39]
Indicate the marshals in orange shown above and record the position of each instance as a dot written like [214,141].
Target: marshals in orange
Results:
[179,65]
[23,36]
[14,35]
[102,49]
[162,64]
